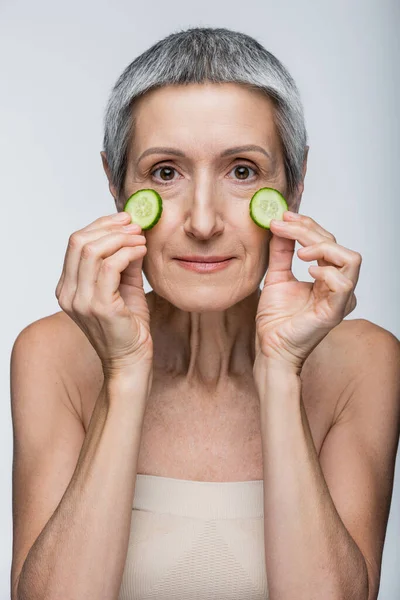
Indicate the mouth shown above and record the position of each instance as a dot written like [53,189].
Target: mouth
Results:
[204,259]
[205,266]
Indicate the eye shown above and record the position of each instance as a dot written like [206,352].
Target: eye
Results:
[167,173]
[242,171]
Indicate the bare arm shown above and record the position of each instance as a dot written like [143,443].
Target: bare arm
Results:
[326,515]
[81,549]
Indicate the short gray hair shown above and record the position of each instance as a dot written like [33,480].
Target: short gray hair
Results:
[199,55]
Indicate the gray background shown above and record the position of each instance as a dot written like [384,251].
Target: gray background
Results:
[59,61]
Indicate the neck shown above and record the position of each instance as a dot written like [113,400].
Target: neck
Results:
[207,348]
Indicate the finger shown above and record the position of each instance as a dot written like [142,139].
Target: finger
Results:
[351,304]
[308,222]
[60,284]
[119,218]
[281,252]
[69,278]
[109,278]
[92,257]
[297,230]
[62,277]
[340,286]
[348,261]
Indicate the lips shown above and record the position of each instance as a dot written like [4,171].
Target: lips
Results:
[204,259]
[205,267]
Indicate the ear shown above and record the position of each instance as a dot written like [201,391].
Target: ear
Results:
[305,161]
[106,168]
[300,188]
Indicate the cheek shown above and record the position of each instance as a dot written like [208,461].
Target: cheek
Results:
[256,250]
[256,240]
[261,249]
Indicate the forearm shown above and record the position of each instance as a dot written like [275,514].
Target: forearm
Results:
[309,553]
[82,550]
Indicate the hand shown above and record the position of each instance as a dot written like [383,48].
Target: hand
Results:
[101,289]
[294,316]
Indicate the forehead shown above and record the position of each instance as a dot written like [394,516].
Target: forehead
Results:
[201,114]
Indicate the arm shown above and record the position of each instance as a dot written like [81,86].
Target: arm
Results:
[325,517]
[72,495]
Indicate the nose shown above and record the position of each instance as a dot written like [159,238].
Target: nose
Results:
[204,217]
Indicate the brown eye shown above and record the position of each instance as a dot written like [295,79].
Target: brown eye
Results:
[168,172]
[242,172]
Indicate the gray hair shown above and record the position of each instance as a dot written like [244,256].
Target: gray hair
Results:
[199,55]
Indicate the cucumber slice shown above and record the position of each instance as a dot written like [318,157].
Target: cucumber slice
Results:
[145,208]
[265,205]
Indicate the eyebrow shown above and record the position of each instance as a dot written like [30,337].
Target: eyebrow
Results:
[227,152]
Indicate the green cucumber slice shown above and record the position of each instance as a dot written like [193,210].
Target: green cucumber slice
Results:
[145,208]
[265,205]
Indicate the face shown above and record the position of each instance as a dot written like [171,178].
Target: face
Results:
[206,187]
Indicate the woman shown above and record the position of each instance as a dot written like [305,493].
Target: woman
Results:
[252,429]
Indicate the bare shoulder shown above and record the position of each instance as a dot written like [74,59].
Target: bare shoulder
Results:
[358,454]
[359,345]
[352,349]
[58,336]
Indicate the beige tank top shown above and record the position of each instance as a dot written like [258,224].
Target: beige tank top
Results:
[195,540]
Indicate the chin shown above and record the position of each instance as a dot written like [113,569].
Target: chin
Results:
[206,298]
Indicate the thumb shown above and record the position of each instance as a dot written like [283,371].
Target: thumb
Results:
[132,275]
[132,290]
[281,252]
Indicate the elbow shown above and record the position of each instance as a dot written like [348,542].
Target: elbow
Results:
[372,577]
[368,583]
[14,587]
[357,584]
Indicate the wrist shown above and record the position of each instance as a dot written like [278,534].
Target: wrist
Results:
[276,381]
[272,376]
[132,387]
[271,367]
[128,375]
[127,367]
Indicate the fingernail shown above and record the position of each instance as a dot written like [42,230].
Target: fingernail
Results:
[121,216]
[294,215]
[131,227]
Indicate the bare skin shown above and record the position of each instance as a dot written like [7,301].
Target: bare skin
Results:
[185,437]
[201,420]
[203,398]
[206,194]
